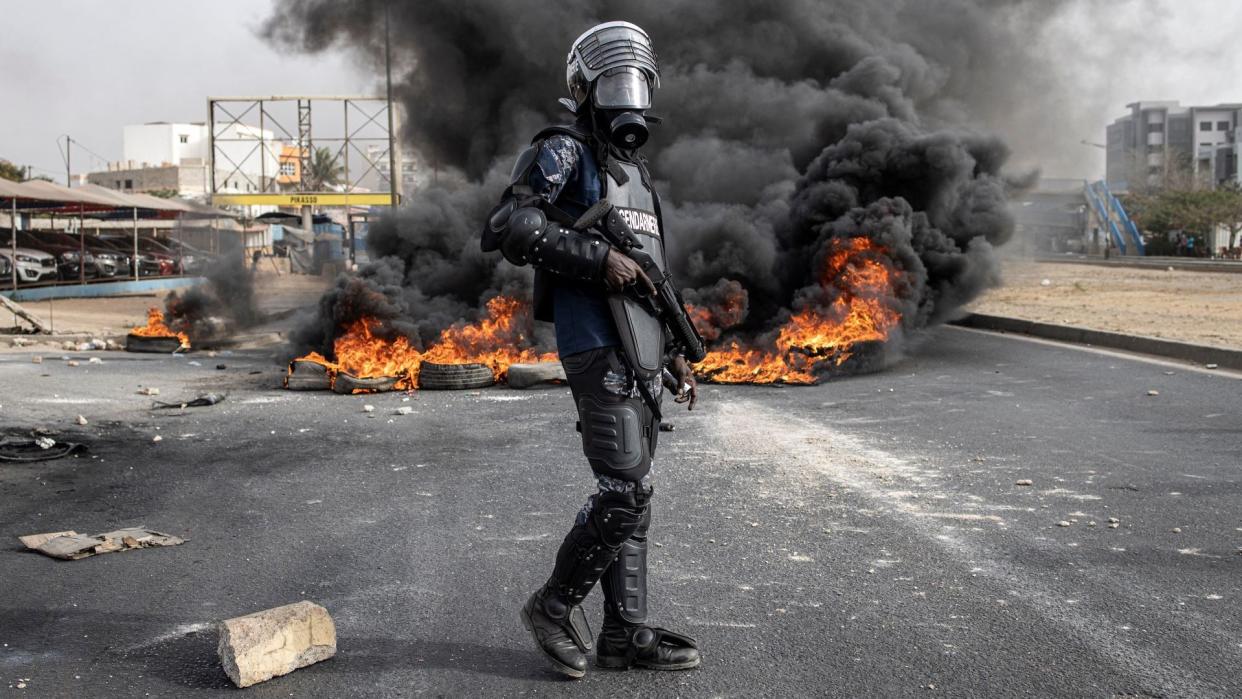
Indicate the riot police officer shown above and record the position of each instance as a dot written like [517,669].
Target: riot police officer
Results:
[574,193]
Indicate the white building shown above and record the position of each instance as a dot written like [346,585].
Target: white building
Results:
[166,155]
[163,143]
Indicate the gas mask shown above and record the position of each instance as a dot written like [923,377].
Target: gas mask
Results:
[620,96]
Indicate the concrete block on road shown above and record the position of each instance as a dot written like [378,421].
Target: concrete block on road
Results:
[257,647]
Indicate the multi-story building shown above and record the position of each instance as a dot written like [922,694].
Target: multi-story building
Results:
[375,170]
[1163,144]
[164,156]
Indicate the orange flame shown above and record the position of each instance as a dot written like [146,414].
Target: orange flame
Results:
[497,340]
[862,275]
[858,273]
[155,328]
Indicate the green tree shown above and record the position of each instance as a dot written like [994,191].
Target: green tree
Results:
[9,171]
[323,170]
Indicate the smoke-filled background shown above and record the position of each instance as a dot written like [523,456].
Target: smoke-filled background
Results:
[788,124]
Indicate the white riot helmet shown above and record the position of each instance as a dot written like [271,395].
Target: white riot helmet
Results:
[614,65]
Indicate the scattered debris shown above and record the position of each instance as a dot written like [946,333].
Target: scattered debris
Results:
[72,362]
[368,408]
[1024,481]
[94,360]
[257,647]
[82,420]
[36,359]
[221,367]
[194,363]
[527,375]
[203,400]
[1176,530]
[23,342]
[148,391]
[667,427]
[1114,525]
[157,438]
[1153,392]
[1063,523]
[71,546]
[1210,366]
[404,410]
[1045,282]
[1113,520]
[41,448]
[25,315]
[1091,523]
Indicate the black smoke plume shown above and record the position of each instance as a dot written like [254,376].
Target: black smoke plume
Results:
[788,124]
[224,304]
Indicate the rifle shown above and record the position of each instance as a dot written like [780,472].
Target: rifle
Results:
[667,303]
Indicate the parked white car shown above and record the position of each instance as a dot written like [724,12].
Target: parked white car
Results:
[32,265]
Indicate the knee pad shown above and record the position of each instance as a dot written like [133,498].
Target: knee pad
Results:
[617,516]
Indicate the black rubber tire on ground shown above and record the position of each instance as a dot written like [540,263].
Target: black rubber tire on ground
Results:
[152,344]
[454,377]
[347,384]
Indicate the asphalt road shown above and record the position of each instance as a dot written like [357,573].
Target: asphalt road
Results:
[865,537]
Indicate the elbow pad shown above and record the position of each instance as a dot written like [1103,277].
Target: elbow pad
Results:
[530,239]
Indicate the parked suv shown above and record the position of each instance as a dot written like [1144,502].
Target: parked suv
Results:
[32,265]
[68,257]
[192,260]
[153,258]
[109,261]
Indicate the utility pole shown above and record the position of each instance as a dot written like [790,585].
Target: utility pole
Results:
[68,175]
[392,136]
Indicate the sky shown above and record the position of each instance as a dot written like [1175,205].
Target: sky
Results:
[89,68]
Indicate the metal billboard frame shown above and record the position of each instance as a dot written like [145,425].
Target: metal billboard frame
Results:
[373,111]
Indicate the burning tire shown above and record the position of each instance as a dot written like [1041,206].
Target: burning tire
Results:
[307,376]
[454,377]
[347,384]
[152,343]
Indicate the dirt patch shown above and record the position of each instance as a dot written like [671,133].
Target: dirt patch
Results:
[1199,307]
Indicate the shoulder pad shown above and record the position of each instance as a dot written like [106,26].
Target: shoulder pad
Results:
[521,168]
[572,130]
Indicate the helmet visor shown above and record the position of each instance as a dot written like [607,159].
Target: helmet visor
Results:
[623,88]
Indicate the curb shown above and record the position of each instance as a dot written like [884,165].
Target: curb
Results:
[1139,344]
[1160,264]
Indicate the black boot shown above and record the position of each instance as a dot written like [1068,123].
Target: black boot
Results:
[560,630]
[625,639]
[552,614]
